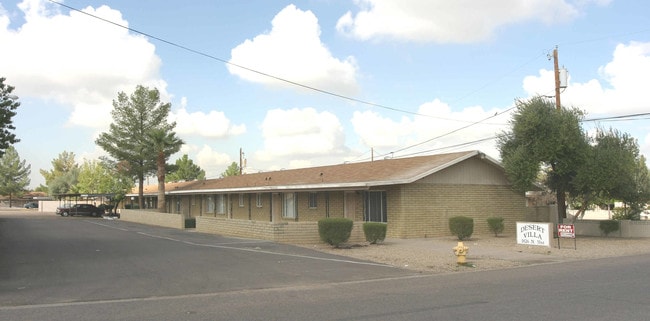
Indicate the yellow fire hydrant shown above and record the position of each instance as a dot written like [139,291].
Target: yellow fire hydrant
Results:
[461,253]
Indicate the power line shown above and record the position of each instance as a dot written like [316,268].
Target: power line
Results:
[326,92]
[322,91]
[474,142]
[611,118]
[449,133]
[619,118]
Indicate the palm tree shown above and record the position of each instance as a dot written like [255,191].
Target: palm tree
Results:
[164,143]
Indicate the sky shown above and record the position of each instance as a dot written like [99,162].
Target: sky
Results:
[318,82]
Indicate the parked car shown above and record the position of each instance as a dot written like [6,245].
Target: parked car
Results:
[31,205]
[80,209]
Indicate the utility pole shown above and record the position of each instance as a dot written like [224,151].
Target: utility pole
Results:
[556,68]
[241,161]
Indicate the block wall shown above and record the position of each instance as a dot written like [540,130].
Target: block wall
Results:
[423,210]
[284,232]
[153,218]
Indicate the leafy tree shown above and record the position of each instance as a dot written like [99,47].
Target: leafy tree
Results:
[121,181]
[165,143]
[638,192]
[65,183]
[543,137]
[185,170]
[608,172]
[14,173]
[94,178]
[232,170]
[63,175]
[64,163]
[8,105]
[127,140]
[641,181]
[102,177]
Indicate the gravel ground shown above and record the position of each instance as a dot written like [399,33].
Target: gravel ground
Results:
[435,255]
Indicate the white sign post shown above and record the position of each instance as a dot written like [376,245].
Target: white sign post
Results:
[532,233]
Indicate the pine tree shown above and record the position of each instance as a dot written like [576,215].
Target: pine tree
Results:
[127,140]
[185,170]
[14,174]
[8,105]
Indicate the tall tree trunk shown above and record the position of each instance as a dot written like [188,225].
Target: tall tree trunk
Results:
[561,204]
[161,182]
[141,190]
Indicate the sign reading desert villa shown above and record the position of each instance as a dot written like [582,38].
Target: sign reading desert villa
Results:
[534,233]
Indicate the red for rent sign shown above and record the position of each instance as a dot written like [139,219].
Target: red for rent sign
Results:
[566,230]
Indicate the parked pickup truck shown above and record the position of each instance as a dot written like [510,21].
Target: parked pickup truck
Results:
[80,209]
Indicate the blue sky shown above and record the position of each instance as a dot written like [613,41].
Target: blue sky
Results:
[416,71]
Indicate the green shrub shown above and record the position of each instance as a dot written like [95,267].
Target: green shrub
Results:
[608,226]
[334,231]
[374,231]
[632,213]
[496,225]
[461,226]
[190,222]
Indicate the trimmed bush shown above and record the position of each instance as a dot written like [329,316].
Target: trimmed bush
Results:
[190,222]
[374,232]
[461,226]
[608,226]
[335,231]
[496,225]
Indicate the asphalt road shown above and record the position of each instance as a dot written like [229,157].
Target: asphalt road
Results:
[54,268]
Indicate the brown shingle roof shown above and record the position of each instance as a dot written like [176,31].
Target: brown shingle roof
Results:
[341,176]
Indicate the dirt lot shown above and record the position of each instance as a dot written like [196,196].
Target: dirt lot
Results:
[435,255]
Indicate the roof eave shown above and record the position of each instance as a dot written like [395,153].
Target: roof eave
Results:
[281,188]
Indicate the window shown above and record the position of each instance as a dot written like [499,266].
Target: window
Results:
[221,204]
[178,205]
[241,200]
[289,205]
[210,204]
[313,200]
[258,200]
[375,207]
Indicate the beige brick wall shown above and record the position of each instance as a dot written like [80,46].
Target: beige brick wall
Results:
[329,204]
[423,210]
[153,218]
[284,232]
[416,210]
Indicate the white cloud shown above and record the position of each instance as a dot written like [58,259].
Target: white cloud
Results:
[428,133]
[621,88]
[76,60]
[211,161]
[214,124]
[300,132]
[444,21]
[292,50]
[377,131]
